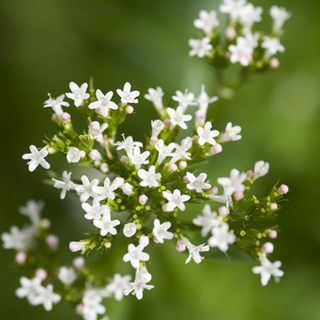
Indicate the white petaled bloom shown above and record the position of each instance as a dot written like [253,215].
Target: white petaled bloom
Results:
[155,96]
[74,155]
[197,183]
[194,251]
[184,99]
[128,96]
[46,297]
[272,46]
[19,239]
[234,183]
[96,131]
[29,289]
[207,21]
[56,104]
[200,47]
[135,254]
[252,39]
[118,285]
[129,229]
[142,278]
[181,151]
[178,118]
[261,168]
[207,220]
[137,158]
[127,144]
[78,94]
[65,185]
[268,269]
[279,16]
[85,190]
[232,133]
[175,200]
[203,101]
[221,237]
[105,224]
[36,157]
[103,103]
[33,210]
[149,178]
[249,15]
[94,211]
[157,126]
[107,190]
[241,52]
[206,135]
[163,150]
[67,275]
[233,8]
[92,306]
[160,231]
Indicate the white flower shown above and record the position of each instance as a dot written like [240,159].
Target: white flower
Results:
[85,190]
[194,251]
[107,191]
[137,158]
[272,46]
[207,21]
[197,183]
[221,237]
[206,135]
[128,144]
[105,224]
[76,246]
[56,104]
[181,151]
[279,16]
[94,211]
[200,47]
[78,94]
[241,52]
[250,14]
[67,275]
[103,103]
[234,183]
[261,168]
[92,306]
[184,99]
[233,8]
[203,101]
[232,133]
[65,185]
[155,96]
[118,285]
[175,200]
[29,289]
[140,283]
[74,155]
[19,239]
[267,269]
[252,39]
[36,158]
[128,96]
[160,231]
[177,118]
[32,209]
[96,131]
[163,150]
[149,178]
[157,126]
[207,220]
[129,229]
[135,254]
[46,297]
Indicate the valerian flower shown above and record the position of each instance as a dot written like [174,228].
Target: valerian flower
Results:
[56,104]
[128,96]
[78,94]
[103,103]
[175,200]
[36,158]
[65,185]
[160,231]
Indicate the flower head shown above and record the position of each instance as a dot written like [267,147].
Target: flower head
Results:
[36,158]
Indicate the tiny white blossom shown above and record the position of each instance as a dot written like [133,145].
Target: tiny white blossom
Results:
[184,99]
[105,224]
[46,297]
[221,237]
[241,52]
[19,239]
[175,200]
[181,151]
[207,21]
[267,269]
[135,254]
[65,185]
[232,133]
[118,285]
[279,16]
[67,275]
[93,211]
[78,94]
[96,131]
[206,135]
[36,158]
[137,158]
[103,103]
[200,47]
[160,231]
[233,8]
[128,96]
[155,96]
[29,289]
[149,178]
[85,190]
[163,150]
[207,220]
[234,183]
[178,118]
[74,155]
[203,101]
[261,168]
[197,183]
[272,46]
[194,251]
[108,188]
[127,144]
[92,304]
[250,14]
[32,209]
[157,126]
[56,104]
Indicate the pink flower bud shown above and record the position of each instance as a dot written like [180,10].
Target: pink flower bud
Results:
[283,189]
[153,140]
[95,155]
[173,167]
[181,245]
[215,149]
[238,195]
[52,241]
[274,63]
[166,122]
[213,191]
[273,234]
[79,263]
[94,127]
[45,223]
[185,180]
[21,257]
[65,117]
[127,188]
[273,206]
[104,168]
[268,247]
[129,109]
[41,274]
[76,246]
[183,165]
[79,309]
[124,159]
[143,199]
[230,33]
[223,211]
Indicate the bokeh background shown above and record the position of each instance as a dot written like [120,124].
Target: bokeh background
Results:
[47,43]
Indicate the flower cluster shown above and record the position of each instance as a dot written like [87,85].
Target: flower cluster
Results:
[237,42]
[136,195]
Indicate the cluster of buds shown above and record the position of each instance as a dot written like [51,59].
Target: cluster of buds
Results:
[237,42]
[134,195]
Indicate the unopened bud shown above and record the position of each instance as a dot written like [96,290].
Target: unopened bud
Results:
[143,199]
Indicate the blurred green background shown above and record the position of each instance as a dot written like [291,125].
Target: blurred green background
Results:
[47,43]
